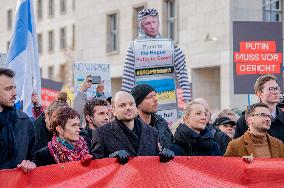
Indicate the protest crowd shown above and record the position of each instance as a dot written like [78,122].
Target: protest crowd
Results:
[127,124]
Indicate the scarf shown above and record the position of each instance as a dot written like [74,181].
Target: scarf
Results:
[62,151]
[132,135]
[7,120]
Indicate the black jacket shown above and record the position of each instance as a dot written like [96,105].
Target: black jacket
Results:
[162,126]
[86,133]
[24,140]
[110,138]
[42,134]
[276,129]
[43,157]
[187,142]
[221,138]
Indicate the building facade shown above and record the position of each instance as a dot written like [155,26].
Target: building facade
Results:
[99,31]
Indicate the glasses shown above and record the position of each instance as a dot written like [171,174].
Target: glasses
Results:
[273,89]
[263,115]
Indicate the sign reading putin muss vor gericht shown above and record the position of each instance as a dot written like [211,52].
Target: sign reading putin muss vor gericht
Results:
[257,50]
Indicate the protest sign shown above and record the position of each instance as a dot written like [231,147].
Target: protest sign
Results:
[257,50]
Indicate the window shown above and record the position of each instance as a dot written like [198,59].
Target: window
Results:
[8,45]
[50,41]
[39,9]
[62,38]
[62,6]
[63,72]
[50,8]
[171,29]
[50,72]
[73,36]
[272,10]
[9,19]
[136,24]
[39,42]
[112,33]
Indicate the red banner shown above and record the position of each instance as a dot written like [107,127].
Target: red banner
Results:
[149,172]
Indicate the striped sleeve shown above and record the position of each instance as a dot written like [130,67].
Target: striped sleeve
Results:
[181,73]
[128,71]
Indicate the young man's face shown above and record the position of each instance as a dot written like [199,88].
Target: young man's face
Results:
[101,115]
[260,120]
[270,93]
[150,103]
[7,91]
[150,25]
[125,108]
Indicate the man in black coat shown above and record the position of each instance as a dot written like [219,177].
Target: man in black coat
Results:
[268,92]
[147,105]
[126,135]
[16,128]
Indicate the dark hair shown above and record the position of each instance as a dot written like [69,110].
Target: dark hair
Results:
[258,85]
[7,72]
[60,101]
[60,117]
[250,109]
[89,106]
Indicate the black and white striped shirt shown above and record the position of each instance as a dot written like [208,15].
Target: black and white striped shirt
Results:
[128,79]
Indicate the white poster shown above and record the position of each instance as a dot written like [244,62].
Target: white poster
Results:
[82,70]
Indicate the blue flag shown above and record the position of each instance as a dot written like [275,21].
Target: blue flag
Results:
[23,55]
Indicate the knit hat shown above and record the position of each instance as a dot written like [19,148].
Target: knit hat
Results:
[147,12]
[140,92]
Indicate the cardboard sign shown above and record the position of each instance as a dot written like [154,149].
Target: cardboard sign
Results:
[257,51]
[82,70]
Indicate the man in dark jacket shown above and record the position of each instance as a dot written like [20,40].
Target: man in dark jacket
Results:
[268,92]
[147,106]
[96,112]
[126,135]
[16,128]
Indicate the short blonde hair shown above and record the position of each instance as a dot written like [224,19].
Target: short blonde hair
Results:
[188,107]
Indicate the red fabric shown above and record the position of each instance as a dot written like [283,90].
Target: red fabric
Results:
[149,172]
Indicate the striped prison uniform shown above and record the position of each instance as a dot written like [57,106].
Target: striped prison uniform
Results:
[180,70]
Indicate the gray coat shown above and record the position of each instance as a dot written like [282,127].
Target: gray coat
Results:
[110,138]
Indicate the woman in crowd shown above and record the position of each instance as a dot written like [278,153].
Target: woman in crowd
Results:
[226,125]
[192,137]
[66,144]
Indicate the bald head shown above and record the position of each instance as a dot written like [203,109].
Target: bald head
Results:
[124,107]
[121,95]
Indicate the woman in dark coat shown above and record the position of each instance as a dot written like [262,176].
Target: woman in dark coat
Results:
[192,137]
[66,144]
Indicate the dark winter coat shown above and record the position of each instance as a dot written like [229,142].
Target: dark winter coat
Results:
[276,129]
[162,126]
[24,140]
[43,157]
[189,143]
[86,133]
[221,138]
[111,137]
[42,134]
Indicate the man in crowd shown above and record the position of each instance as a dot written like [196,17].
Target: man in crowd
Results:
[147,104]
[16,128]
[268,92]
[256,141]
[126,135]
[96,113]
[149,25]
